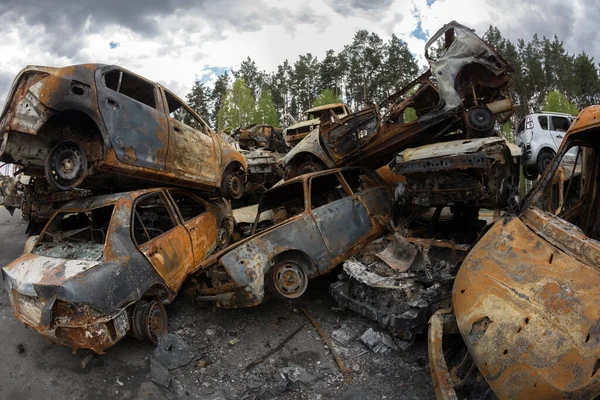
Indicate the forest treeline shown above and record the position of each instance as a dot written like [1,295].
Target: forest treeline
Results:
[369,69]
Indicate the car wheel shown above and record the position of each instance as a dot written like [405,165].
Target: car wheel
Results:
[223,238]
[307,167]
[544,160]
[530,173]
[149,320]
[66,166]
[287,280]
[232,185]
[480,121]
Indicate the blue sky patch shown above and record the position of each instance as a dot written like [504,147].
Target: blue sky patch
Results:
[419,33]
[114,45]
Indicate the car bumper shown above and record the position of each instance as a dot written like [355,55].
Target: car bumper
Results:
[96,334]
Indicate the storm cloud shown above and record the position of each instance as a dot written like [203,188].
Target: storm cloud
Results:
[178,41]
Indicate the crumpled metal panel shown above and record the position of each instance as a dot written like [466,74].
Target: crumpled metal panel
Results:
[543,335]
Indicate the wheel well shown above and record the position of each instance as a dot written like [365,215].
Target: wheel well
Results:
[300,158]
[158,292]
[546,150]
[232,166]
[301,257]
[76,126]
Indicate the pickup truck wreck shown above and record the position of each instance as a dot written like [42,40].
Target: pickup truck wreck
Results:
[105,265]
[525,300]
[399,280]
[98,126]
[318,220]
[466,89]
[310,121]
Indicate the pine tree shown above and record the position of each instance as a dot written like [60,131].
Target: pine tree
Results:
[216,97]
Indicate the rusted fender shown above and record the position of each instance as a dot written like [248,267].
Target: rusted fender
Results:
[529,314]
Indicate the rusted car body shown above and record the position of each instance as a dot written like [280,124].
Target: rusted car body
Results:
[478,172]
[463,94]
[312,118]
[99,126]
[105,265]
[400,280]
[526,298]
[320,220]
[260,136]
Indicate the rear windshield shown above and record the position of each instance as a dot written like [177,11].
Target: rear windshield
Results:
[76,235]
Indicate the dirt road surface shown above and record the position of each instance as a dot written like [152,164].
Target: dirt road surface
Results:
[224,342]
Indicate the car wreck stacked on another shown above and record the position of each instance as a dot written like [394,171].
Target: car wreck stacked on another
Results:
[97,126]
[525,300]
[463,95]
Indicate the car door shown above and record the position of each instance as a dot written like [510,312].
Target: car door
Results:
[165,243]
[192,148]
[341,216]
[200,222]
[559,125]
[133,115]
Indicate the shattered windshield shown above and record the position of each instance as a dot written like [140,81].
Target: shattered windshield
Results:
[76,235]
[282,202]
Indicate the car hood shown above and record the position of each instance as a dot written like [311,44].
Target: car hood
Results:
[302,124]
[526,304]
[31,270]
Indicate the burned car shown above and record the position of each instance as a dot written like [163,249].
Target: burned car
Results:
[463,95]
[319,220]
[260,136]
[105,265]
[525,300]
[311,119]
[399,280]
[98,126]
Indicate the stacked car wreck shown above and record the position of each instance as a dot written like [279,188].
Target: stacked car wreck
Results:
[413,238]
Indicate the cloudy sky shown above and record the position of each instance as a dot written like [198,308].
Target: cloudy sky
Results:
[176,42]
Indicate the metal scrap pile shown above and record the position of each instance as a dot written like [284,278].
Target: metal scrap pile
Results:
[406,237]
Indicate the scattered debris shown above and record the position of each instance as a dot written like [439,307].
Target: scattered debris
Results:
[327,341]
[275,349]
[234,341]
[378,342]
[20,348]
[172,352]
[86,360]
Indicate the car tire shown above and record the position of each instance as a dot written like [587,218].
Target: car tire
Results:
[287,280]
[149,320]
[530,173]
[232,185]
[544,160]
[66,166]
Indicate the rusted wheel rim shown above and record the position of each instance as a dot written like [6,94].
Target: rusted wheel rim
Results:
[223,238]
[308,167]
[235,186]
[155,323]
[66,166]
[289,280]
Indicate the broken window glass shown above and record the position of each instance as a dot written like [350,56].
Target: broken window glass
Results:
[179,112]
[188,206]
[76,235]
[282,202]
[325,189]
[151,219]
[131,86]
[560,124]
